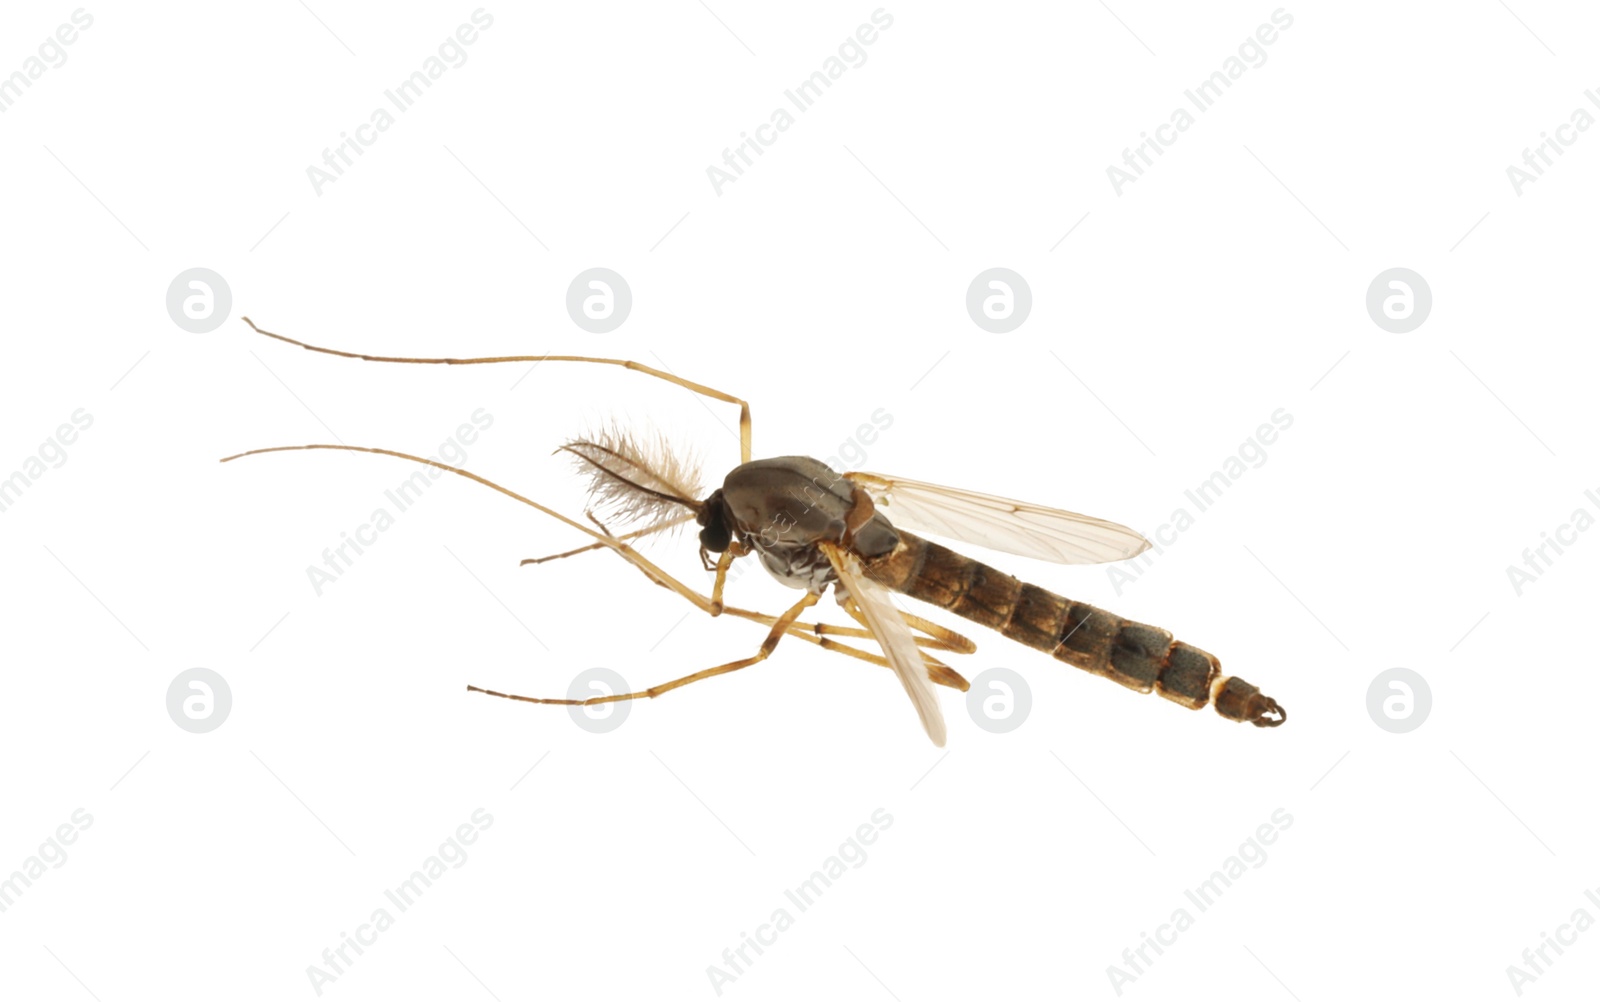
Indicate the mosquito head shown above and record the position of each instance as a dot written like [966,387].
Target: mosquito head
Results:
[716,532]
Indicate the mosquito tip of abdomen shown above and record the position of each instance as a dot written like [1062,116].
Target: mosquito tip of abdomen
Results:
[1270,714]
[1236,699]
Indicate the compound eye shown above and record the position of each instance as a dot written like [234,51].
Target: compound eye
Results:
[715,538]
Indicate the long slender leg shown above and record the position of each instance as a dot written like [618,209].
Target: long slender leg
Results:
[947,640]
[938,672]
[828,629]
[951,640]
[817,633]
[706,391]
[646,531]
[633,556]
[735,549]
[779,628]
[627,552]
[939,637]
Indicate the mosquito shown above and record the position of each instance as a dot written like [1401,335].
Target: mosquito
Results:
[813,528]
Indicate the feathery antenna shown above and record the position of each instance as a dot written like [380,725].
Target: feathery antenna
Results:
[636,477]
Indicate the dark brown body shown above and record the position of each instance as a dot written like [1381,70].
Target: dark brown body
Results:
[781,508]
[1139,656]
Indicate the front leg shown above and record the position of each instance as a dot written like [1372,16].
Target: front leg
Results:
[735,550]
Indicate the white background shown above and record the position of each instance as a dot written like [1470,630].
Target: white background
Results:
[826,283]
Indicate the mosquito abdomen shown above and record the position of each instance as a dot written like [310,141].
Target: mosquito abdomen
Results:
[1137,655]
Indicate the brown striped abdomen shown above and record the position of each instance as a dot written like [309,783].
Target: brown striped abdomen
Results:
[1137,655]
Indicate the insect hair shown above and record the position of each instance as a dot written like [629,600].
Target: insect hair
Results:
[637,477]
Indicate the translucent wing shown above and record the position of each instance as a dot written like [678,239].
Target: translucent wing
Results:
[1028,530]
[893,635]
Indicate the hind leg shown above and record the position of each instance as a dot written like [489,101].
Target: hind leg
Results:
[779,628]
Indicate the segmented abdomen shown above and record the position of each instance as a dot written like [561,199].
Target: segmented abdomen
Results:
[1137,655]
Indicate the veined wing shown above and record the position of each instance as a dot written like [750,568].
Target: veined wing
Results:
[893,635]
[1028,530]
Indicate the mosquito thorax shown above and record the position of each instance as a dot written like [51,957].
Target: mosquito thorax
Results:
[791,502]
